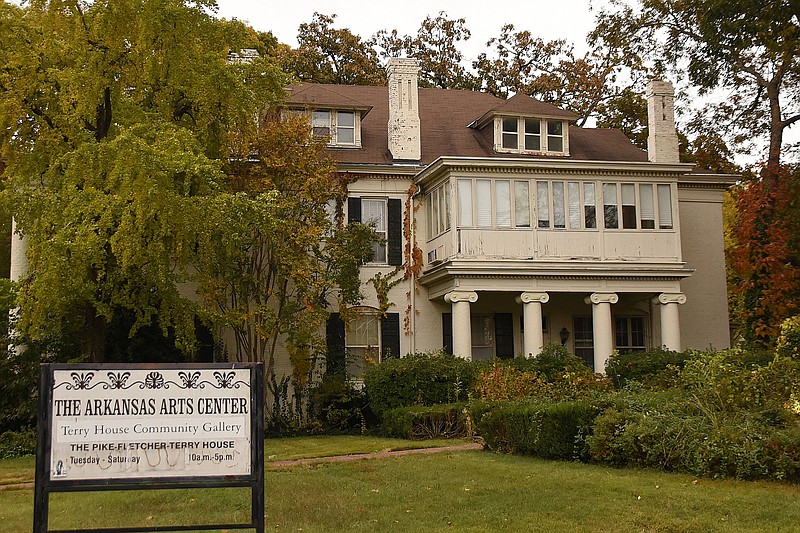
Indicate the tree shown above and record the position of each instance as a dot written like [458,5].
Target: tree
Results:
[749,49]
[329,55]
[550,71]
[115,117]
[763,244]
[436,48]
[271,256]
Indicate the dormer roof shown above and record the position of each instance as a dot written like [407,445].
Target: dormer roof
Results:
[323,96]
[522,105]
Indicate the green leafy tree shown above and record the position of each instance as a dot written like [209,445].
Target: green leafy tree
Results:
[331,55]
[115,116]
[435,46]
[749,49]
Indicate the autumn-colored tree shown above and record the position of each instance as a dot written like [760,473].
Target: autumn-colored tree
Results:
[435,46]
[764,254]
[331,55]
[271,255]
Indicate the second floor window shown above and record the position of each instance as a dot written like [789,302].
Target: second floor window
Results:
[526,134]
[338,126]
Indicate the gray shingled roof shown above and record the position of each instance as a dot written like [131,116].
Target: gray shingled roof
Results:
[445,117]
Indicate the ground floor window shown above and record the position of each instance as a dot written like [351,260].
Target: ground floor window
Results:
[492,335]
[368,338]
[584,339]
[630,334]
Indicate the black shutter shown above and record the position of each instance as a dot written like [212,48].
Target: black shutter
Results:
[504,335]
[334,338]
[394,236]
[353,209]
[390,335]
[447,332]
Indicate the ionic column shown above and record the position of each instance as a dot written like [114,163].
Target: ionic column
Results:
[462,328]
[601,327]
[533,337]
[670,320]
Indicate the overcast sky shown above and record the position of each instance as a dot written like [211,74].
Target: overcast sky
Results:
[548,19]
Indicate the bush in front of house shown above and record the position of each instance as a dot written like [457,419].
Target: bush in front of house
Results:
[728,417]
[428,378]
[336,406]
[657,369]
[427,422]
[543,428]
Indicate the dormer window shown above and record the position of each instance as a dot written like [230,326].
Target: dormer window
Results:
[341,128]
[525,135]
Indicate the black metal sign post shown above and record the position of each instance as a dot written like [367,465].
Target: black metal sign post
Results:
[100,439]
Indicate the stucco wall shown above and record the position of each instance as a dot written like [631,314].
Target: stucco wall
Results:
[704,316]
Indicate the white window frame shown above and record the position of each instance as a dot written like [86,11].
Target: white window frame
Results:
[379,249]
[439,210]
[353,350]
[504,133]
[333,126]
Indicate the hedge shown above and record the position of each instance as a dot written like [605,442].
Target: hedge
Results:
[546,429]
[421,422]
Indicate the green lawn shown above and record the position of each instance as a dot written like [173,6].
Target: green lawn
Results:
[451,491]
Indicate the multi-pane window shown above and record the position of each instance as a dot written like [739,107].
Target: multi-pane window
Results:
[482,330]
[583,343]
[485,203]
[652,206]
[555,136]
[510,133]
[629,334]
[439,210]
[362,343]
[533,134]
[520,134]
[338,126]
[373,212]
[573,205]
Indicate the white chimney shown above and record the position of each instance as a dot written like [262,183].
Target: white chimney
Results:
[662,140]
[404,142]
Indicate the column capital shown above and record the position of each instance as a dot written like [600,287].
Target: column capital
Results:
[602,298]
[461,296]
[531,297]
[670,298]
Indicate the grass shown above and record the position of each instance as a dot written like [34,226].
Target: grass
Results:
[450,491]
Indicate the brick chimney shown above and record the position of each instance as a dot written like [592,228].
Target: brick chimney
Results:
[662,141]
[404,132]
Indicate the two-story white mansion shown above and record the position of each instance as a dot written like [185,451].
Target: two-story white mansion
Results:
[532,230]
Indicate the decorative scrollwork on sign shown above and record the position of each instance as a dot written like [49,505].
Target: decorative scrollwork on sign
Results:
[81,380]
[190,380]
[116,380]
[154,380]
[225,379]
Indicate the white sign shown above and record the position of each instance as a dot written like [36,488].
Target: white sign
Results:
[132,423]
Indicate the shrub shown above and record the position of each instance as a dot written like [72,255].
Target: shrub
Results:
[418,379]
[18,443]
[656,369]
[335,406]
[420,422]
[543,428]
[789,341]
[504,382]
